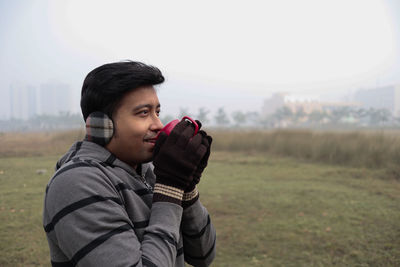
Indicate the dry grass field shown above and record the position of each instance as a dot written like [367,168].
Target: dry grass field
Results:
[361,149]
[272,200]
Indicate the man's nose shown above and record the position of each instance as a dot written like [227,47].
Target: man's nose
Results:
[157,124]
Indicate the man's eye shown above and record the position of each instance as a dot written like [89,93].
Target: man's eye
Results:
[158,113]
[143,112]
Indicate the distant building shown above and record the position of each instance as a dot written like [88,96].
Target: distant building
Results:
[305,103]
[386,97]
[27,101]
[273,103]
[54,98]
[23,104]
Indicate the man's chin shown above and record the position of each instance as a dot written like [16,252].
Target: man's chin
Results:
[148,158]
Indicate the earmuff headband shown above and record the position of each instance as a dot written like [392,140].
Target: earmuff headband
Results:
[99,128]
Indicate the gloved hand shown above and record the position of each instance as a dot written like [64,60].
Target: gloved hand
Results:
[207,140]
[191,195]
[163,136]
[176,157]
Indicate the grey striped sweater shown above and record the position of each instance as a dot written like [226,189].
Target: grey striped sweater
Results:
[98,212]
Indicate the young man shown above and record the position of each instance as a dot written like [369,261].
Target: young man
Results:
[107,205]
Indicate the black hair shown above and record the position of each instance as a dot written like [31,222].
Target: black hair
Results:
[105,86]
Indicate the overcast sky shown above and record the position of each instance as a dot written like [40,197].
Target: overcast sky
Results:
[213,53]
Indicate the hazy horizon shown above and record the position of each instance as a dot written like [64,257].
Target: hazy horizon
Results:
[213,54]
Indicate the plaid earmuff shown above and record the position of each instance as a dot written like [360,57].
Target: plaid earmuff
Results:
[99,128]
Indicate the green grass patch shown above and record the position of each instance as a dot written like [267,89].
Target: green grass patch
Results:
[268,211]
[23,183]
[280,212]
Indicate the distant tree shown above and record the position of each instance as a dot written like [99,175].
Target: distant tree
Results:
[338,114]
[316,116]
[239,117]
[283,113]
[299,114]
[183,111]
[378,116]
[253,118]
[167,118]
[221,118]
[360,113]
[265,121]
[202,115]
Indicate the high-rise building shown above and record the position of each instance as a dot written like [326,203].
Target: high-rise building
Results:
[385,97]
[54,98]
[26,101]
[23,104]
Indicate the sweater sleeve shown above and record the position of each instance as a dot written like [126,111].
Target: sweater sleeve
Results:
[199,236]
[86,224]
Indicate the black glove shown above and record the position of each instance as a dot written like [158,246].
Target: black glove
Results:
[191,195]
[206,141]
[176,157]
[163,136]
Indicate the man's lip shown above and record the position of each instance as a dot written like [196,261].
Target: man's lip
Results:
[151,140]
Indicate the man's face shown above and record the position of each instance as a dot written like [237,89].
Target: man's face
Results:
[136,124]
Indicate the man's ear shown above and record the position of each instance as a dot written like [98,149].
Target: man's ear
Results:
[99,128]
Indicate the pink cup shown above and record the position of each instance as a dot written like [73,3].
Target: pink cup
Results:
[169,126]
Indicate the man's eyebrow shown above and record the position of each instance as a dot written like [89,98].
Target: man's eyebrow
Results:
[145,106]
